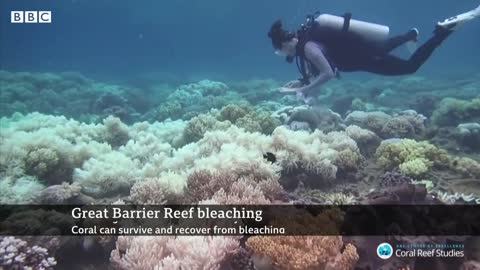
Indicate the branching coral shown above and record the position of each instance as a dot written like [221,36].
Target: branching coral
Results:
[163,190]
[16,254]
[166,252]
[242,192]
[305,252]
[316,153]
[226,186]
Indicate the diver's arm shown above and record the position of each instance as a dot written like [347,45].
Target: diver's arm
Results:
[315,55]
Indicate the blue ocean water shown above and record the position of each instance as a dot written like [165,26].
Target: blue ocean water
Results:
[204,39]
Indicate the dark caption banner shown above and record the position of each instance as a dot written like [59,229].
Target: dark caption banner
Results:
[349,220]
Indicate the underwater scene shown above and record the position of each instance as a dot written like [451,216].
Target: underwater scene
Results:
[239,103]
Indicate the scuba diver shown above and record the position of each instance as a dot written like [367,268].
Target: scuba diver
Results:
[327,44]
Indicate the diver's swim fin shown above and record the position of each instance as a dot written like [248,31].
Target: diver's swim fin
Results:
[453,23]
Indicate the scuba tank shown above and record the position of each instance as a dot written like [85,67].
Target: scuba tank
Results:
[368,31]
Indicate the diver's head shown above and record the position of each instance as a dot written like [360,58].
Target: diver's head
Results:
[283,41]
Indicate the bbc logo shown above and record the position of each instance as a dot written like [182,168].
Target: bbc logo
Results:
[31,17]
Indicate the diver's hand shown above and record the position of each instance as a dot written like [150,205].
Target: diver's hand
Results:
[288,90]
[293,84]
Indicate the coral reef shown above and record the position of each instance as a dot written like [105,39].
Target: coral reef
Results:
[393,179]
[190,100]
[157,190]
[316,118]
[468,135]
[452,112]
[243,143]
[405,124]
[166,252]
[413,158]
[304,252]
[16,254]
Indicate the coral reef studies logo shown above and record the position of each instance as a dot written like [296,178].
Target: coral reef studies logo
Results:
[384,251]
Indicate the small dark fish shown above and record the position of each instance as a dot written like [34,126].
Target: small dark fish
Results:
[270,157]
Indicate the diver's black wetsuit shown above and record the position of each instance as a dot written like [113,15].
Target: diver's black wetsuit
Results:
[348,52]
[348,57]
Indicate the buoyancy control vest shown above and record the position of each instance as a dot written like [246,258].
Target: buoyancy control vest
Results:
[330,31]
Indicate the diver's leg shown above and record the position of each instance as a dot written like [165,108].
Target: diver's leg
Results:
[399,40]
[391,65]
[420,56]
[388,65]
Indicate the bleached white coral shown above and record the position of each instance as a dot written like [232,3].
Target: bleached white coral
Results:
[164,189]
[23,190]
[165,132]
[107,174]
[50,150]
[360,135]
[242,192]
[450,198]
[164,252]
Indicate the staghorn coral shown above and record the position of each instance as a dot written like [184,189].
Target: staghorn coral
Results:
[304,252]
[167,252]
[16,254]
